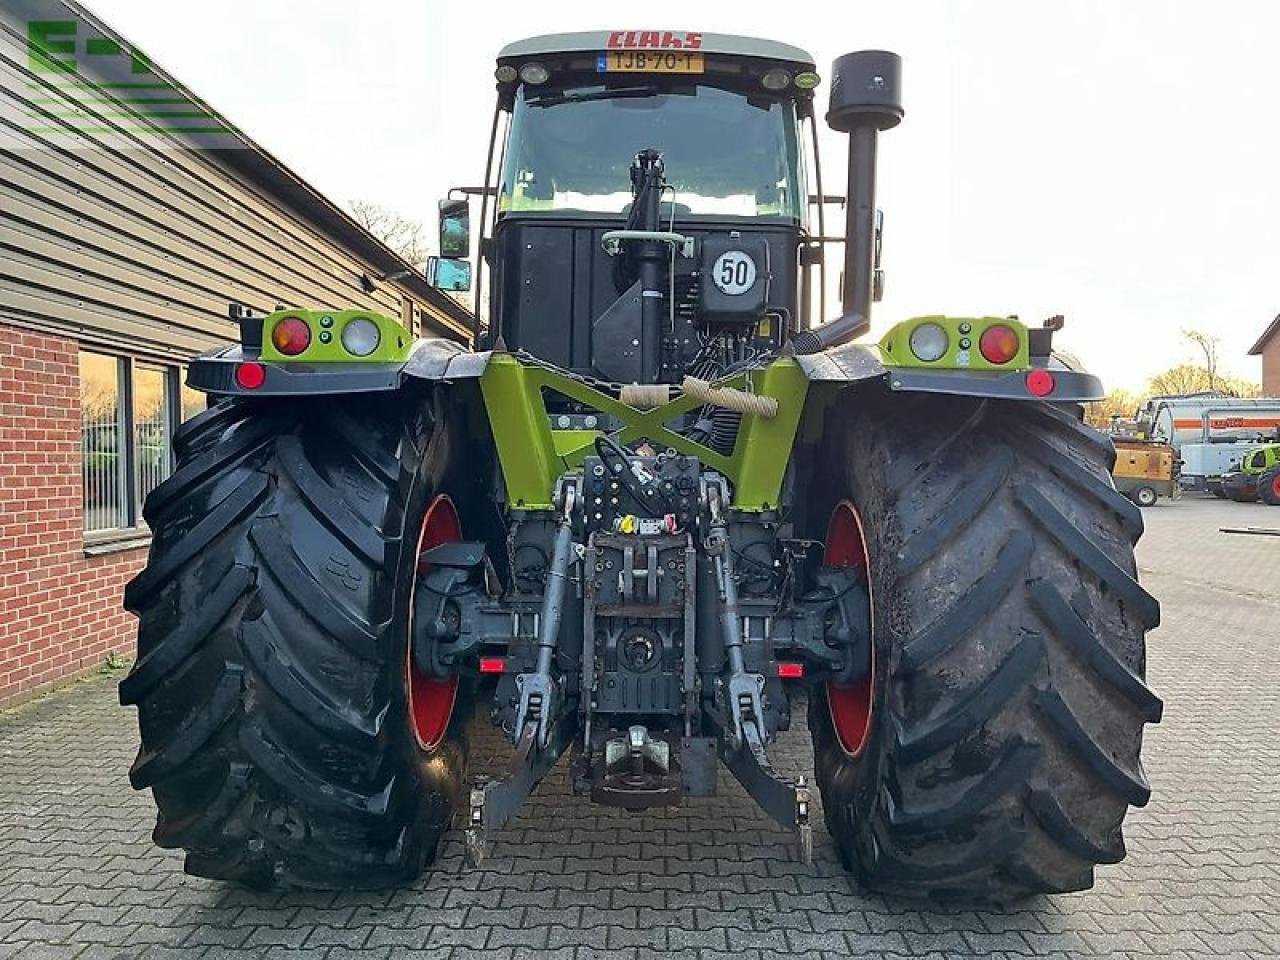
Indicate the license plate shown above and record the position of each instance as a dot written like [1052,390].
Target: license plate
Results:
[649,61]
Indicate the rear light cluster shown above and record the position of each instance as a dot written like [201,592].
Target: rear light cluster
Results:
[293,336]
[998,344]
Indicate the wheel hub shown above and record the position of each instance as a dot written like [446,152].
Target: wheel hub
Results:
[851,704]
[431,699]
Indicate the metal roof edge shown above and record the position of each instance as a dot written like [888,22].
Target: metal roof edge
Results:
[1267,334]
[598,40]
[313,206]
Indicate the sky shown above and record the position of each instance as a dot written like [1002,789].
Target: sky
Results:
[1118,163]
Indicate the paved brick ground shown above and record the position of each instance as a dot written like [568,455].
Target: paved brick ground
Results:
[79,878]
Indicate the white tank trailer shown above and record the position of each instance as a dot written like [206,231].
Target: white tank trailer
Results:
[1209,431]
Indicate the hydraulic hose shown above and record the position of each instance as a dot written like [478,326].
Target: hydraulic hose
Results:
[831,334]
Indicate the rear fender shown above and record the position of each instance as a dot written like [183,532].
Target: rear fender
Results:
[216,372]
[1028,376]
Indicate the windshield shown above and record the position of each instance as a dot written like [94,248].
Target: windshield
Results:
[726,154]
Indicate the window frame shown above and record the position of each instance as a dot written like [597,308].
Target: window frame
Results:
[135,533]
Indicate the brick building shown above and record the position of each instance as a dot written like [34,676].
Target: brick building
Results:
[1268,348]
[124,234]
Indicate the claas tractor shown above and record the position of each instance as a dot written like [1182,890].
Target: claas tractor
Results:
[1258,477]
[660,501]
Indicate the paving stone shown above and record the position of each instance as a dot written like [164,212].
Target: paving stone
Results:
[712,879]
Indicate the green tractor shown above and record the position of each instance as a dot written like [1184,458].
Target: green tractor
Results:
[1258,477]
[656,503]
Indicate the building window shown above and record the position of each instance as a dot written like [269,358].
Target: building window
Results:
[129,410]
[105,462]
[152,426]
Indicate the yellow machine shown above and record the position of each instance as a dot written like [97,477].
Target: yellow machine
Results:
[1145,470]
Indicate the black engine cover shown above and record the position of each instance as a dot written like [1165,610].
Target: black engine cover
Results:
[735,278]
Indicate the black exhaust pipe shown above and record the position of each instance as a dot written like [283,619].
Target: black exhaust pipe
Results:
[866,97]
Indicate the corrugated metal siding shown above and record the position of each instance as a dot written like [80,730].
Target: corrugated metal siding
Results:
[143,245]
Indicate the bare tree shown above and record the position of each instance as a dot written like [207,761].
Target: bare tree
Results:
[406,237]
[1208,345]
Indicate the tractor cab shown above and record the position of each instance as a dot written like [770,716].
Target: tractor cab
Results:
[647,207]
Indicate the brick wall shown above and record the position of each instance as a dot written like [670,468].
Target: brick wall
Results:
[60,611]
[1271,368]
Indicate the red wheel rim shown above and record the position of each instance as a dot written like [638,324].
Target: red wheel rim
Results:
[851,704]
[430,698]
[1275,486]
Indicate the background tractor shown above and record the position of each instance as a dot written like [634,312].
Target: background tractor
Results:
[1258,477]
[655,489]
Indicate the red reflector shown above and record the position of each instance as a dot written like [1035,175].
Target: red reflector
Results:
[999,344]
[251,375]
[1040,382]
[791,671]
[492,664]
[291,336]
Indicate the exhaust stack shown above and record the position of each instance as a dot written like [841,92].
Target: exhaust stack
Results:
[866,97]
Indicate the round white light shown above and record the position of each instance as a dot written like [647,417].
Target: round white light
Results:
[929,342]
[534,73]
[775,80]
[506,73]
[360,337]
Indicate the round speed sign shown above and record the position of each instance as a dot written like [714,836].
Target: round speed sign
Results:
[734,272]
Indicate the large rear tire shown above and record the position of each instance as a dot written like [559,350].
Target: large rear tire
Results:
[272,672]
[1269,487]
[1008,700]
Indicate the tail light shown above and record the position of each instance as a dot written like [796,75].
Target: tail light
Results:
[291,336]
[791,671]
[492,664]
[999,344]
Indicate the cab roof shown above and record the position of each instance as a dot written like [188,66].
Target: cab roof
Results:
[598,41]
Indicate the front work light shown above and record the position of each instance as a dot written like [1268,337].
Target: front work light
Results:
[534,73]
[776,80]
[929,342]
[360,336]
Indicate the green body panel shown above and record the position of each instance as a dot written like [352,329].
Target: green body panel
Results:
[1250,465]
[393,347]
[533,455]
[760,456]
[895,346]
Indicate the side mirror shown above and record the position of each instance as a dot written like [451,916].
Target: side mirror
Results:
[449,274]
[455,229]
